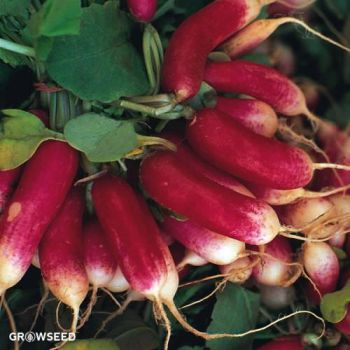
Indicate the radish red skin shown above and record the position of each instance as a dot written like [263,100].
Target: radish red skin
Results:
[258,81]
[99,261]
[237,150]
[7,180]
[253,114]
[45,182]
[61,253]
[196,37]
[133,235]
[143,10]
[42,115]
[344,325]
[205,202]
[284,343]
[185,153]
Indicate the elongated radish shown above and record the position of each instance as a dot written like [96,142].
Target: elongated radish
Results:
[239,271]
[196,37]
[186,155]
[285,343]
[258,81]
[44,184]
[35,260]
[274,268]
[99,262]
[321,265]
[222,141]
[7,181]
[190,258]
[118,283]
[61,255]
[205,202]
[253,114]
[213,247]
[143,10]
[283,197]
[255,33]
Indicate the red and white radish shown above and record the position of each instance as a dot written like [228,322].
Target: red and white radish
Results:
[118,283]
[205,202]
[45,182]
[99,262]
[322,265]
[275,266]
[237,150]
[61,255]
[239,271]
[197,36]
[255,33]
[253,114]
[213,247]
[186,155]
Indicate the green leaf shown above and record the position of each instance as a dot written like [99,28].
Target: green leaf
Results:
[56,18]
[102,139]
[12,58]
[100,63]
[21,134]
[130,332]
[17,8]
[334,305]
[91,344]
[235,311]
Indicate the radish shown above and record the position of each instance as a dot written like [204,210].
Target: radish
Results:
[205,202]
[253,114]
[8,179]
[42,114]
[46,180]
[99,262]
[197,36]
[222,141]
[285,343]
[214,248]
[258,81]
[274,268]
[275,297]
[239,271]
[186,155]
[322,265]
[61,255]
[190,258]
[143,256]
[283,197]
[255,33]
[143,10]
[118,283]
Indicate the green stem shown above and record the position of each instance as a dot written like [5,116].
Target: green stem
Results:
[144,109]
[17,48]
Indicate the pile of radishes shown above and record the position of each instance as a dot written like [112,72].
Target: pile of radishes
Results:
[269,209]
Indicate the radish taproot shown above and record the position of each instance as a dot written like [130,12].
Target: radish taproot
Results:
[258,81]
[61,255]
[186,155]
[275,267]
[205,202]
[255,33]
[99,261]
[253,114]
[8,178]
[322,265]
[213,247]
[143,255]
[45,182]
[197,36]
[221,141]
[143,10]
[239,271]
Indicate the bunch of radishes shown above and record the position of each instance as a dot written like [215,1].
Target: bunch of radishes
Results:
[235,193]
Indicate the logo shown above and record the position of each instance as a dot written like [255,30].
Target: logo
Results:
[31,337]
